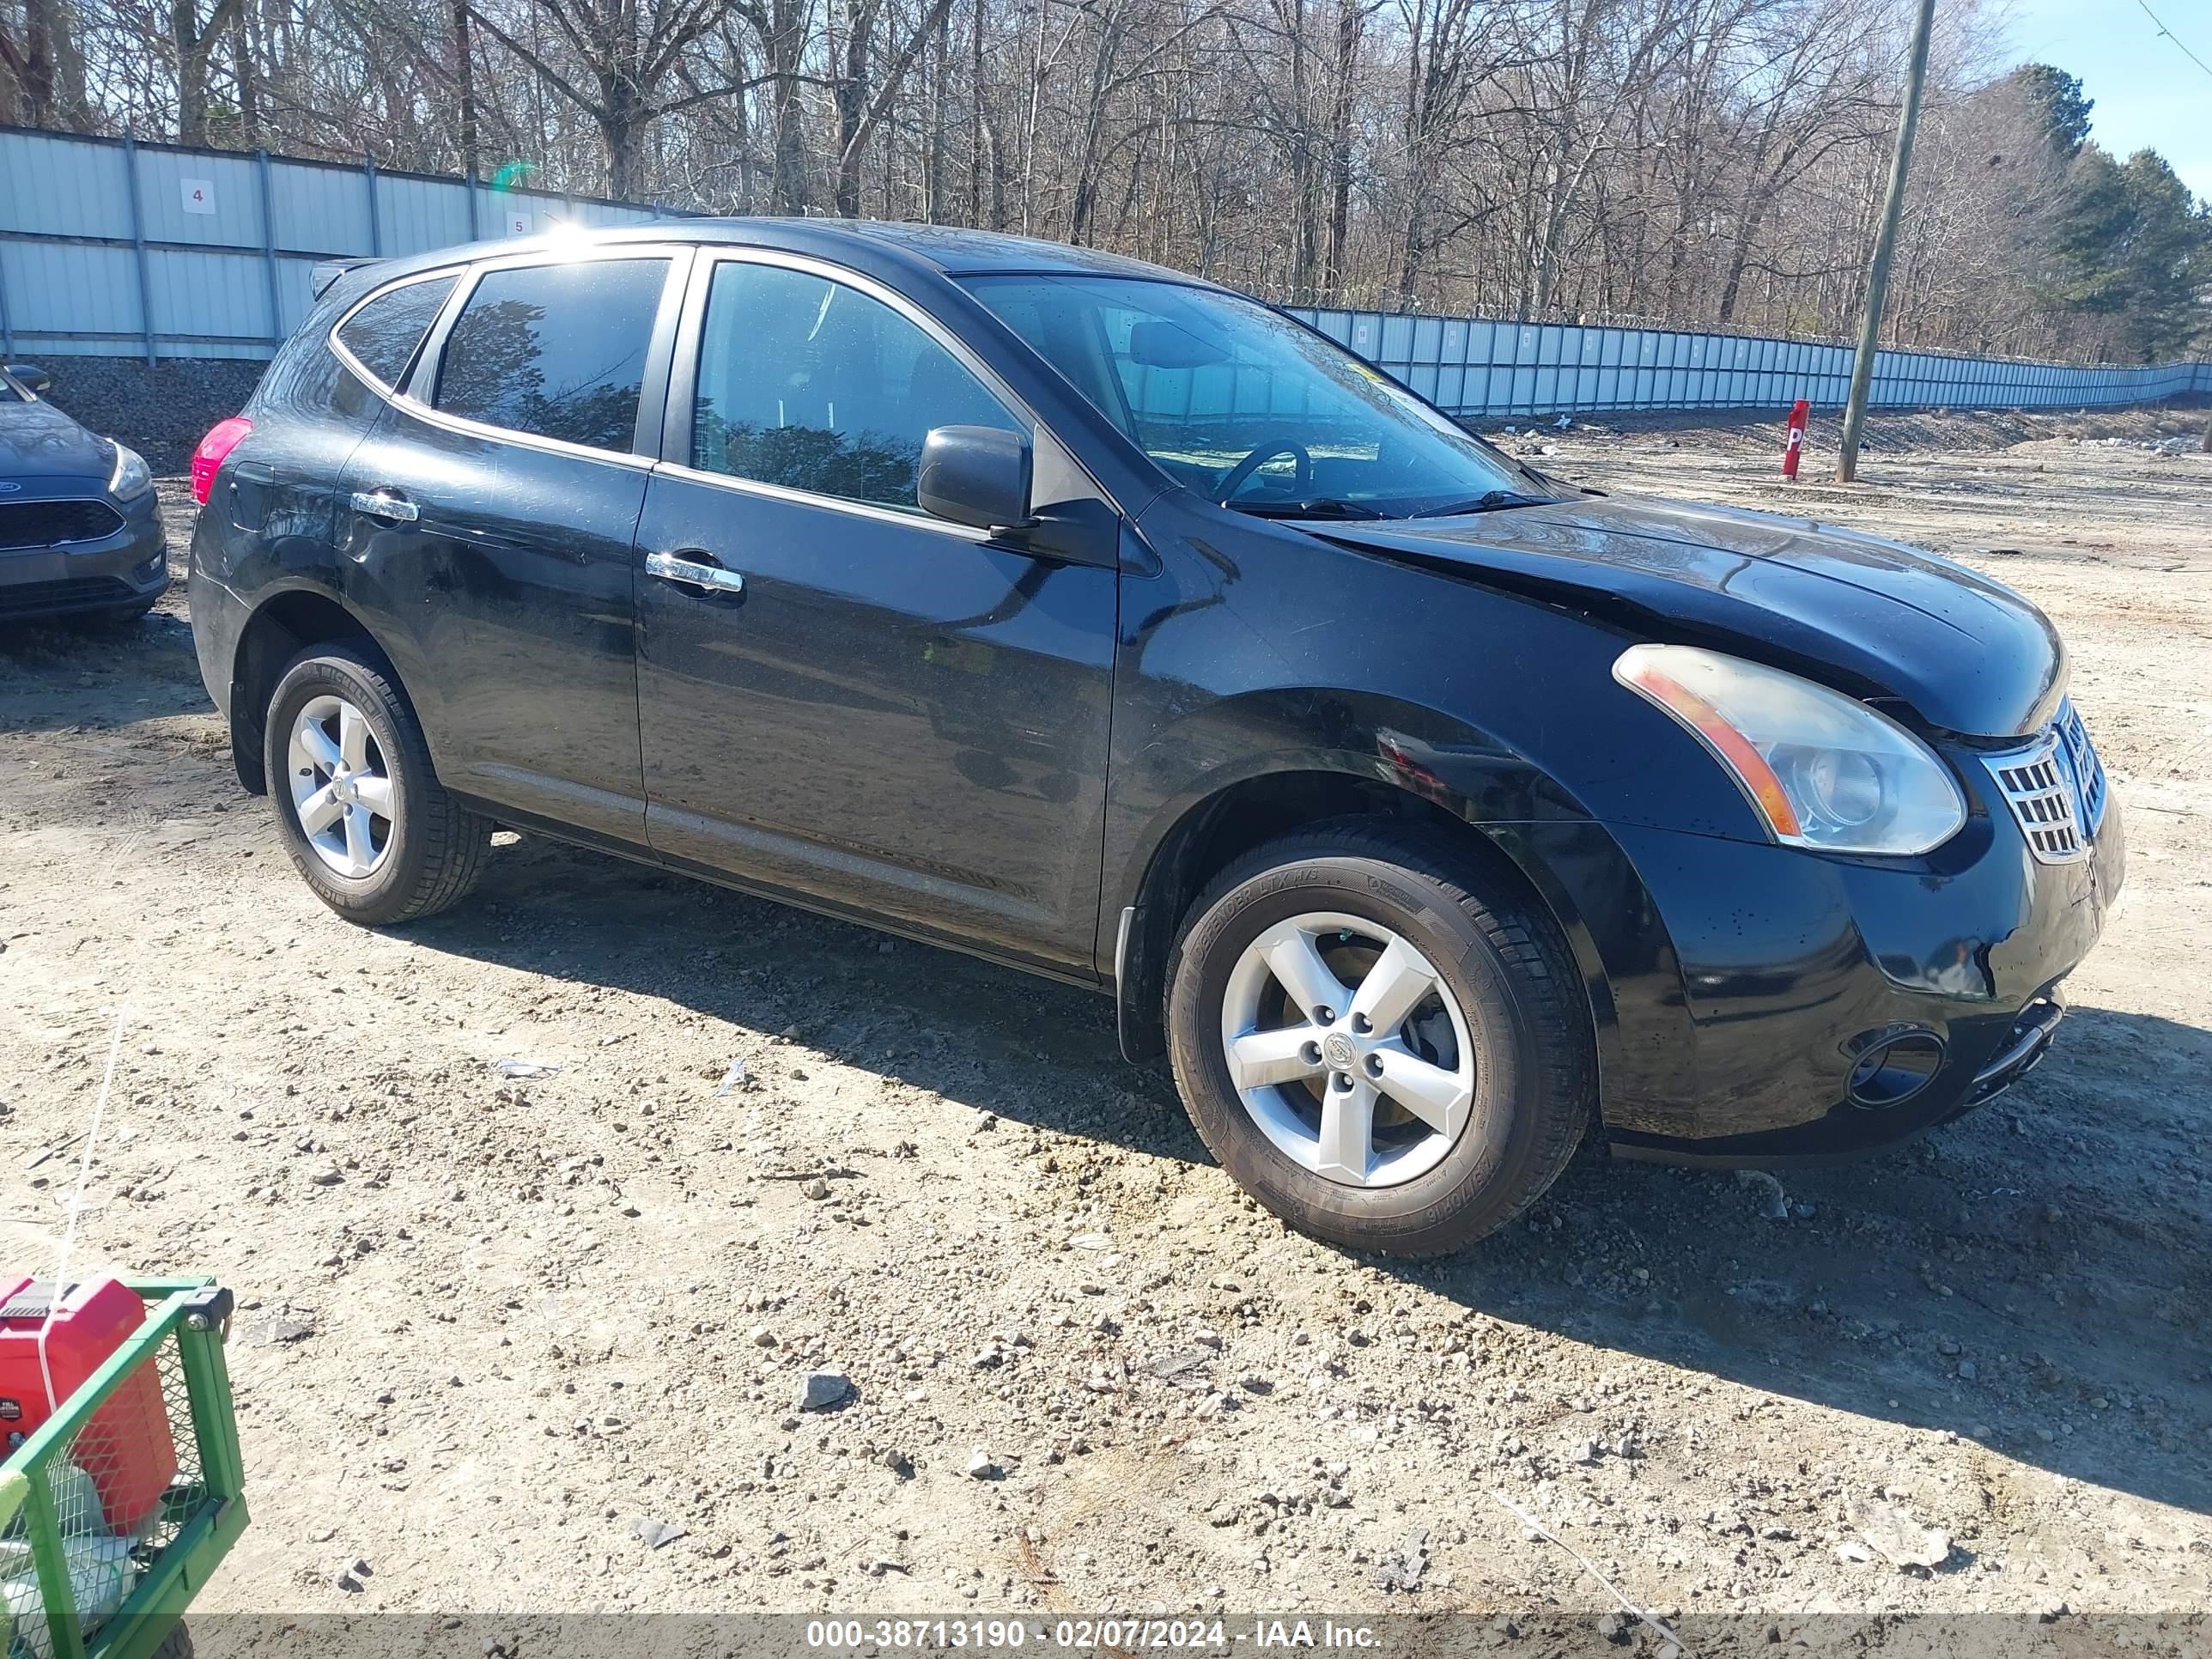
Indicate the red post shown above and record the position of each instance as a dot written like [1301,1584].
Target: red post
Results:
[1790,450]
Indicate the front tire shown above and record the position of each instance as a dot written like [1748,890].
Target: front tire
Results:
[361,811]
[1388,1049]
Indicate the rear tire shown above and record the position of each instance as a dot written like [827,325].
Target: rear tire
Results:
[344,755]
[1477,1097]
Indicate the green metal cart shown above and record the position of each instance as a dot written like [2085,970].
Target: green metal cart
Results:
[70,1588]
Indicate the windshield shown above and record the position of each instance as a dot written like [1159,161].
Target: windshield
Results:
[1248,407]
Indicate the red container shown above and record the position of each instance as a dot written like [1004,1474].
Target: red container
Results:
[126,1447]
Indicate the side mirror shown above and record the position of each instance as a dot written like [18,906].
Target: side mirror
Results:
[974,475]
[32,377]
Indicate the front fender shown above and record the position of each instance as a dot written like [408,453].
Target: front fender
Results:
[1258,652]
[1574,864]
[1195,755]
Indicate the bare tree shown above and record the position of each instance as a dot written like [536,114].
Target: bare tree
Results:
[628,50]
[1689,162]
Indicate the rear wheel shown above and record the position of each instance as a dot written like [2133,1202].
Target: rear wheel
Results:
[1387,1050]
[361,814]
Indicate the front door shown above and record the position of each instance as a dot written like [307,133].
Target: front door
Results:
[862,704]
[488,521]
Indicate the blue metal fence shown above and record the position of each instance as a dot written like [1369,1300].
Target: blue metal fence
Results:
[1473,368]
[110,248]
[114,248]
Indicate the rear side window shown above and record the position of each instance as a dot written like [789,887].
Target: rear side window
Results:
[555,350]
[383,334]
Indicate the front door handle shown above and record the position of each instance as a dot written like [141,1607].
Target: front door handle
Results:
[711,578]
[389,505]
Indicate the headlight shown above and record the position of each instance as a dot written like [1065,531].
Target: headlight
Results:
[129,476]
[1823,771]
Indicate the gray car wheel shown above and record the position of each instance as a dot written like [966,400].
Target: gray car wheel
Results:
[1386,1045]
[361,812]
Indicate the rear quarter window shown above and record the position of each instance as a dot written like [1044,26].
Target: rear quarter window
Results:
[383,335]
[555,350]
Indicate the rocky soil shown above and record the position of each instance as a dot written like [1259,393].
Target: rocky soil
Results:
[161,411]
[799,1268]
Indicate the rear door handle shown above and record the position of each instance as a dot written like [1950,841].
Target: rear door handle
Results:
[388,505]
[671,568]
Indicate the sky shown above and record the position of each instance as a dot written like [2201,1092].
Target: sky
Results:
[2148,94]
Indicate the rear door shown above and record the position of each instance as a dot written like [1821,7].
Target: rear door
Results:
[275,504]
[864,704]
[487,523]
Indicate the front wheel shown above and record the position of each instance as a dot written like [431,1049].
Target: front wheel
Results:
[361,814]
[1387,1049]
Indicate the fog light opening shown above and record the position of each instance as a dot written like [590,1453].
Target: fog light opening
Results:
[1893,1067]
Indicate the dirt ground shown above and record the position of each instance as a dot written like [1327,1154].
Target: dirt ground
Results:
[489,1327]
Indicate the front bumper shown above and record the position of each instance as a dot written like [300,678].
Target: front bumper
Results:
[2030,1041]
[1749,983]
[126,571]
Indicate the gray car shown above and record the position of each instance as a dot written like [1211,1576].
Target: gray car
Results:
[80,528]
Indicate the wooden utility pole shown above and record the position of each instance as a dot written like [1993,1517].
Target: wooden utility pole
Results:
[1885,244]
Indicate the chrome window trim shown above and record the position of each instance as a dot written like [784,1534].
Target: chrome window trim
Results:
[502,435]
[433,349]
[359,370]
[916,520]
[684,376]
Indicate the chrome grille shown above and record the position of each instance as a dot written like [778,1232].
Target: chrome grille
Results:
[2088,770]
[2056,788]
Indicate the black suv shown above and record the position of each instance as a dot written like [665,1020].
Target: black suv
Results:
[1428,813]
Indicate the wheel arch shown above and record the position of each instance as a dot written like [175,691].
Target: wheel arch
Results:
[1205,835]
[282,625]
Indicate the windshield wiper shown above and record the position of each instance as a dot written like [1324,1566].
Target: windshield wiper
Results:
[1319,507]
[1491,500]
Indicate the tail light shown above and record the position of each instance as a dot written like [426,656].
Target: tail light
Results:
[207,460]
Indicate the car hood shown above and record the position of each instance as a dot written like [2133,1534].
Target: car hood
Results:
[39,443]
[1867,616]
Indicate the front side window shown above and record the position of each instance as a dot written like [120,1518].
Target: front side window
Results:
[555,350]
[812,384]
[383,334]
[1246,406]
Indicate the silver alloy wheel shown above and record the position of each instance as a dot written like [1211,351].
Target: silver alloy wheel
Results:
[1367,1083]
[340,787]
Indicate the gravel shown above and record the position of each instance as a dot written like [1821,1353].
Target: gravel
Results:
[161,411]
[1742,1383]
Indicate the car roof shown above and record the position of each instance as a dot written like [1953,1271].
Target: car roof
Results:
[945,249]
[958,251]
